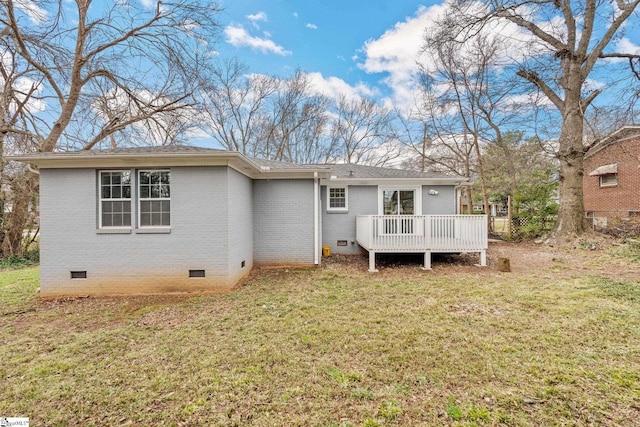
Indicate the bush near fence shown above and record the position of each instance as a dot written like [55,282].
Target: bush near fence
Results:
[529,227]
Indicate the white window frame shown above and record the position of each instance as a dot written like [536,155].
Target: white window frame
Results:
[611,184]
[417,196]
[346,198]
[140,199]
[121,199]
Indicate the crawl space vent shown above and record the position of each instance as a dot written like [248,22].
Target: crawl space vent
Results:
[196,273]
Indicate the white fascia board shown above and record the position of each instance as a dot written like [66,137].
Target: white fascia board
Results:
[72,160]
[237,161]
[393,181]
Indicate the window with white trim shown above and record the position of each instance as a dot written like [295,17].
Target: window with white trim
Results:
[608,180]
[398,202]
[115,199]
[399,205]
[337,199]
[154,198]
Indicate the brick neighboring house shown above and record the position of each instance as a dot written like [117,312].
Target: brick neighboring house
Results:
[611,181]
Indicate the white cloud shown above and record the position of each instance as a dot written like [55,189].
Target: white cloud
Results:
[260,16]
[149,4]
[624,45]
[36,14]
[397,52]
[256,18]
[295,15]
[23,86]
[239,37]
[592,84]
[513,102]
[312,26]
[334,87]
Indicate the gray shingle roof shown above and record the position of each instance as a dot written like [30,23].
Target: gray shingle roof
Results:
[167,149]
[343,171]
[277,165]
[364,172]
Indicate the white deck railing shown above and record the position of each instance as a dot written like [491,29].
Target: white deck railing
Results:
[422,233]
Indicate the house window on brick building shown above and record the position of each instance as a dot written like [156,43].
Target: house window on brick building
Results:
[609,180]
[607,174]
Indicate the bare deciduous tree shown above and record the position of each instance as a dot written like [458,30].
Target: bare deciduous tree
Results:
[98,68]
[296,128]
[571,37]
[235,104]
[361,132]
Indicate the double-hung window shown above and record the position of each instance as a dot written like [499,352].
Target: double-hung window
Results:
[154,198]
[115,199]
[337,199]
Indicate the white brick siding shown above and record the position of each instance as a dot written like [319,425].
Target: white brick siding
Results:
[283,221]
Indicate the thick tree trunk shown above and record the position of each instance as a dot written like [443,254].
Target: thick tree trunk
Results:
[571,218]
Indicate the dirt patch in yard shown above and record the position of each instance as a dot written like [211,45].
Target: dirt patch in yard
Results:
[599,255]
[82,314]
[604,257]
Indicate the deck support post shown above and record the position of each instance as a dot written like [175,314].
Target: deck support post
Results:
[483,258]
[427,261]
[372,262]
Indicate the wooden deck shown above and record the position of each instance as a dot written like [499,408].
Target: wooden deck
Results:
[422,233]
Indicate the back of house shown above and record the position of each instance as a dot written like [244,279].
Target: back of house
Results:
[184,219]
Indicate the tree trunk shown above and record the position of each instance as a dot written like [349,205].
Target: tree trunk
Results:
[571,218]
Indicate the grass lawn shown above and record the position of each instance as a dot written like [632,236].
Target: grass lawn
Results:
[335,346]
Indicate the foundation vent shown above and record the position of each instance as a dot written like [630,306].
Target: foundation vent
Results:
[196,273]
[79,274]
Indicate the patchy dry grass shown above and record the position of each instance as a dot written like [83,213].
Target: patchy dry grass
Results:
[17,289]
[334,347]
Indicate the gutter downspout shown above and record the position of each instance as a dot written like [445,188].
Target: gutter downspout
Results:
[458,189]
[316,228]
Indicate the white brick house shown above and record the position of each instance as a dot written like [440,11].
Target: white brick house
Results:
[177,218]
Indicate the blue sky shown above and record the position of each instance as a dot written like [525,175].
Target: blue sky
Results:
[315,35]
[329,37]
[358,47]
[365,47]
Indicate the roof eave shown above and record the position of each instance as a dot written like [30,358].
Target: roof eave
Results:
[613,138]
[237,161]
[421,180]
